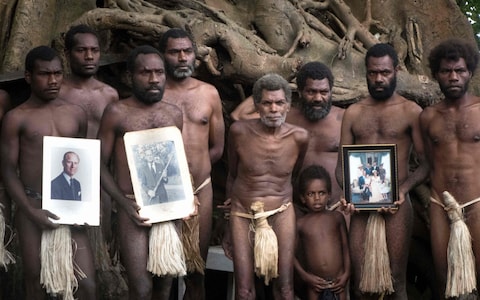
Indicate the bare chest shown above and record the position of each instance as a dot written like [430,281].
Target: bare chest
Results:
[384,127]
[464,128]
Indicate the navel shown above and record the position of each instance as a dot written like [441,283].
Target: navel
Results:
[476,138]
[204,120]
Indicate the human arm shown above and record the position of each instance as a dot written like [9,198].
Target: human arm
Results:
[10,155]
[216,135]
[421,172]
[346,138]
[232,174]
[245,110]
[341,281]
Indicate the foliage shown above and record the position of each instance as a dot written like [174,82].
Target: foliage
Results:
[471,8]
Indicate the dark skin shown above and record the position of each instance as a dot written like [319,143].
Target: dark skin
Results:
[255,150]
[324,133]
[394,120]
[82,88]
[5,202]
[322,238]
[120,117]
[43,114]
[203,136]
[451,135]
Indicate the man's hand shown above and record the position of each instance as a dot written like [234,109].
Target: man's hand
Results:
[41,217]
[347,207]
[132,208]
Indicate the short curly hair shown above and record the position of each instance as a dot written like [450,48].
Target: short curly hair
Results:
[381,50]
[453,49]
[316,71]
[313,172]
[271,82]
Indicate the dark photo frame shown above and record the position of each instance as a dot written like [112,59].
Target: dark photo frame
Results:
[370,175]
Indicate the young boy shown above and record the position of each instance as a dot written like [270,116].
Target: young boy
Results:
[322,238]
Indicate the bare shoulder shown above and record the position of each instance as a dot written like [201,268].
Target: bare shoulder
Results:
[300,132]
[240,126]
[337,112]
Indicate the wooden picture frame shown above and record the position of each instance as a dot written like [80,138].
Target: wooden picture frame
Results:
[159,173]
[370,175]
[77,203]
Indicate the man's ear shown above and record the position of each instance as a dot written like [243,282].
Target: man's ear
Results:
[28,77]
[128,78]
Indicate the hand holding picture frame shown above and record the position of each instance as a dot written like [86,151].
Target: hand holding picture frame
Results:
[159,173]
[370,175]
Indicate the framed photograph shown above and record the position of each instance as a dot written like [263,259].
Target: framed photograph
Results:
[370,175]
[160,175]
[71,179]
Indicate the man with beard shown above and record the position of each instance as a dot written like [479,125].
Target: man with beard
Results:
[203,133]
[263,155]
[82,51]
[316,114]
[384,117]
[451,133]
[143,110]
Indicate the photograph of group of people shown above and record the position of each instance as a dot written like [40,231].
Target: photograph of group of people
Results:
[370,182]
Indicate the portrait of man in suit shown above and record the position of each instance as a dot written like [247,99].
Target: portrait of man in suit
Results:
[65,186]
[153,177]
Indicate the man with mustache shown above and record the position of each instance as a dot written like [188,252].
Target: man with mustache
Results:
[451,133]
[145,109]
[263,155]
[384,117]
[316,114]
[203,133]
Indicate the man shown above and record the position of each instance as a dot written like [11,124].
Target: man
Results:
[64,186]
[317,115]
[23,129]
[203,132]
[450,131]
[143,110]
[82,51]
[384,117]
[153,177]
[263,154]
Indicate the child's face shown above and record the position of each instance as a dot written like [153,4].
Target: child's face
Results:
[316,195]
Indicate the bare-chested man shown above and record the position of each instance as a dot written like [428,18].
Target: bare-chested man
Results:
[143,110]
[385,118]
[451,133]
[322,238]
[203,132]
[23,129]
[82,51]
[323,121]
[263,154]
[315,113]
